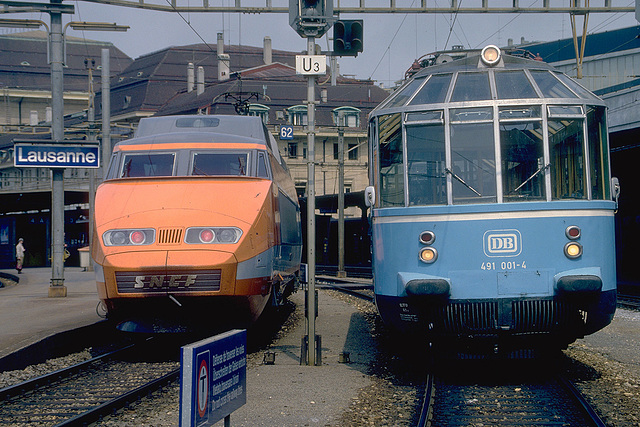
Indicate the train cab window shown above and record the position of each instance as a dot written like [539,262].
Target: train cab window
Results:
[473,165]
[141,165]
[434,91]
[391,162]
[550,86]
[522,156]
[426,165]
[404,94]
[471,87]
[227,164]
[598,153]
[566,141]
[514,85]
[262,169]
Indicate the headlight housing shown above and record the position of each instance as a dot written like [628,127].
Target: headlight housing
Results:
[129,237]
[212,235]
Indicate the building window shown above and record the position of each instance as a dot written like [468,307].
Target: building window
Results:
[293,150]
[297,115]
[351,116]
[353,151]
[261,111]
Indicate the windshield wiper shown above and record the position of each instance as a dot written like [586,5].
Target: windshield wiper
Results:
[540,169]
[449,171]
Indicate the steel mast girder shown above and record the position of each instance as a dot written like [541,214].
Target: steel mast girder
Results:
[425,6]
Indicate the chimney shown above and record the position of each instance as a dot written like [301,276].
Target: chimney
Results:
[220,50]
[200,83]
[223,60]
[267,53]
[190,77]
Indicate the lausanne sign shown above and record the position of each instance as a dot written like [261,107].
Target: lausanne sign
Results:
[50,154]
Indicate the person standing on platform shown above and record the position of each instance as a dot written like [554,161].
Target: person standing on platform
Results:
[19,255]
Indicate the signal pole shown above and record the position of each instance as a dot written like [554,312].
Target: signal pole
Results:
[311,19]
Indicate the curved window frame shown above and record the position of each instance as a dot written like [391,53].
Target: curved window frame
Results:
[259,110]
[298,115]
[351,116]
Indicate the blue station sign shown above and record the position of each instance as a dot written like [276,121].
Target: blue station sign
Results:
[51,154]
[213,378]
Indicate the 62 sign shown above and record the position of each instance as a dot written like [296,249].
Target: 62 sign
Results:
[286,132]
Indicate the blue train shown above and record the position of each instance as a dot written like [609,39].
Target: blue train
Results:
[492,204]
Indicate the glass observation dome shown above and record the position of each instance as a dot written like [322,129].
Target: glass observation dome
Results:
[489,128]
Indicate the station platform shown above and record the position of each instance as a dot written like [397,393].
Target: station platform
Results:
[28,315]
[285,393]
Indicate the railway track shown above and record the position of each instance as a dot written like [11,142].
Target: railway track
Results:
[359,288]
[629,301]
[546,400]
[83,393]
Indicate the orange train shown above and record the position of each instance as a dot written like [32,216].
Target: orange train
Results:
[197,225]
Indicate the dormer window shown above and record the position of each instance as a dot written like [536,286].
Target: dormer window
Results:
[261,111]
[298,115]
[351,116]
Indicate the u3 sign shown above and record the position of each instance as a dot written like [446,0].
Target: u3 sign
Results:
[286,132]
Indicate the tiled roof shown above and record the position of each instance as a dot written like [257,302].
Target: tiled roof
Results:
[24,63]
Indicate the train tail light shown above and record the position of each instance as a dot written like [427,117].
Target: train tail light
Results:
[573,232]
[207,235]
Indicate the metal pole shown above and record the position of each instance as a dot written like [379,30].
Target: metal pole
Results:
[57,288]
[341,271]
[91,116]
[106,112]
[311,212]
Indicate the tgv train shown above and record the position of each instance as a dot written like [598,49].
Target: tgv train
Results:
[197,225]
[492,204]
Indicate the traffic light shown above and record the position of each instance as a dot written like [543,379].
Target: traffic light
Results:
[310,17]
[348,37]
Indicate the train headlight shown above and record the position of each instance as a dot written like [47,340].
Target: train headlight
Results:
[428,255]
[573,250]
[128,237]
[490,55]
[212,235]
[573,232]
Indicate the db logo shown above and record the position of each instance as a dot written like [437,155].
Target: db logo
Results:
[501,243]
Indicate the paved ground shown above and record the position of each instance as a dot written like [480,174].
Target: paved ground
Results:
[27,314]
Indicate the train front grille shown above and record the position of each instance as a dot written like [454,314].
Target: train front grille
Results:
[171,281]
[515,316]
[167,236]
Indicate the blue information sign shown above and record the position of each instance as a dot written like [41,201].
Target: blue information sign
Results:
[50,154]
[213,375]
[286,132]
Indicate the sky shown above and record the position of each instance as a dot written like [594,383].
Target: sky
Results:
[391,41]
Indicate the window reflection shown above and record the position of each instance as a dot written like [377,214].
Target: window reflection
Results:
[598,153]
[391,167]
[567,159]
[233,164]
[471,87]
[523,167]
[473,172]
[141,165]
[426,165]
[513,85]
